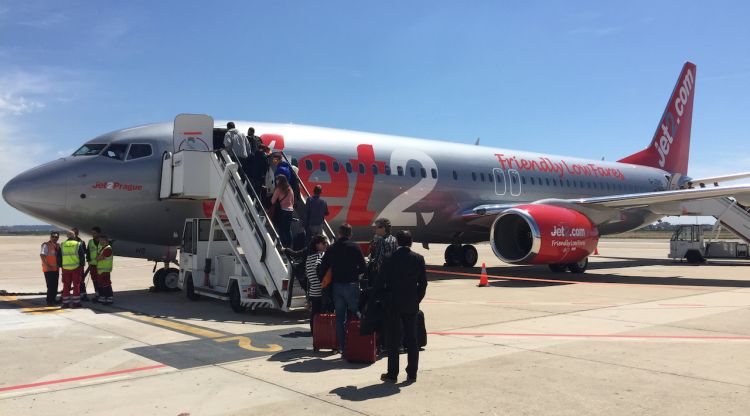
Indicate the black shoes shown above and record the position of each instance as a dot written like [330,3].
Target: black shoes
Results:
[387,378]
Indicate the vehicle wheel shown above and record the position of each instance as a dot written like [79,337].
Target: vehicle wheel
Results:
[579,267]
[453,255]
[557,268]
[469,255]
[234,298]
[693,257]
[159,279]
[190,287]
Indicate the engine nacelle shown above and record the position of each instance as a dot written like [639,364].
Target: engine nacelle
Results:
[542,234]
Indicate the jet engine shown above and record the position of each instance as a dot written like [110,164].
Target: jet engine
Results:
[542,234]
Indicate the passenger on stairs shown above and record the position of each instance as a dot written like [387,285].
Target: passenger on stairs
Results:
[284,211]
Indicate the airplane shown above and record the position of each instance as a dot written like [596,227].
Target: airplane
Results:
[533,208]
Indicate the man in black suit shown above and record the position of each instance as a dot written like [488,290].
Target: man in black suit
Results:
[402,284]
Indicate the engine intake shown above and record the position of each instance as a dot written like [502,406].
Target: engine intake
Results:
[542,234]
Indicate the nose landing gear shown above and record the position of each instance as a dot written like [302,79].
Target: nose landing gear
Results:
[165,279]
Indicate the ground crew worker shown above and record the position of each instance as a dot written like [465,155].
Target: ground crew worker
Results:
[83,276]
[73,259]
[51,266]
[91,253]
[104,267]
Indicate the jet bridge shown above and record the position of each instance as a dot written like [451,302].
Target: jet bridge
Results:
[235,254]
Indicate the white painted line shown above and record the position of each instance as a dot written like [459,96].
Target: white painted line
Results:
[24,392]
[103,380]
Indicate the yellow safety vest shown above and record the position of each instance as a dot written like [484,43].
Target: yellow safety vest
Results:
[70,258]
[93,251]
[105,265]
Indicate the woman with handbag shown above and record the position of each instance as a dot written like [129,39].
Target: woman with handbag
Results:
[283,214]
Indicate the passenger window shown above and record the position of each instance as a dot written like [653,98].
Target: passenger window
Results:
[490,177]
[116,151]
[481,177]
[308,164]
[374,169]
[323,166]
[455,175]
[523,180]
[412,172]
[500,178]
[348,167]
[513,179]
[532,180]
[474,176]
[400,170]
[388,170]
[567,183]
[547,180]
[336,166]
[554,182]
[361,168]
[423,172]
[89,150]
[138,151]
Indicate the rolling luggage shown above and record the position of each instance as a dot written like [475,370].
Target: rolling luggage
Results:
[421,330]
[324,332]
[359,348]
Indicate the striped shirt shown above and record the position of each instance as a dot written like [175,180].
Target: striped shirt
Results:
[384,246]
[311,271]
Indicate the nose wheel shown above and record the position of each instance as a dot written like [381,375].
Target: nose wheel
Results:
[165,279]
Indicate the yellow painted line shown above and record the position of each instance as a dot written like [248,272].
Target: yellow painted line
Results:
[201,332]
[29,308]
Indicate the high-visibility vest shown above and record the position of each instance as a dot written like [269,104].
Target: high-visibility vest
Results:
[93,251]
[50,258]
[70,258]
[105,265]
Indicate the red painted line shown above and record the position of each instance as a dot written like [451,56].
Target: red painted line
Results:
[192,133]
[680,304]
[67,380]
[513,334]
[527,279]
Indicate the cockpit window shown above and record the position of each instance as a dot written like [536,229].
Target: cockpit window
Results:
[89,149]
[116,151]
[138,151]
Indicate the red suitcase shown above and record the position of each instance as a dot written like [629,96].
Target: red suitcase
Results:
[359,348]
[324,332]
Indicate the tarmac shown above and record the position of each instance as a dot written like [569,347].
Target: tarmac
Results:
[637,334]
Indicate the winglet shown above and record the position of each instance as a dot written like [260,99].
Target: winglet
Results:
[670,146]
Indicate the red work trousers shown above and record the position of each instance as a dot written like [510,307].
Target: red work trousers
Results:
[71,278]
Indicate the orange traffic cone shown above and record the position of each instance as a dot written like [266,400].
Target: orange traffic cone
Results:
[483,277]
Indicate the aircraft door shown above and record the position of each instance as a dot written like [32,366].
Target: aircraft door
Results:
[193,132]
[500,181]
[515,182]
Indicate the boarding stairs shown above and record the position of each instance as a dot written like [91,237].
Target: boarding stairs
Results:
[728,212]
[239,213]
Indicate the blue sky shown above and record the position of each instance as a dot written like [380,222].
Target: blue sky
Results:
[587,78]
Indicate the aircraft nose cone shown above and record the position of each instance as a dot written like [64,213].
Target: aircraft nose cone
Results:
[40,192]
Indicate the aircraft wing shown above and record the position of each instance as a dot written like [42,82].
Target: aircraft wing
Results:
[703,182]
[603,209]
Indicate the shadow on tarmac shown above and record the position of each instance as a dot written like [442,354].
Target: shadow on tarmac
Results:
[375,391]
[310,361]
[542,276]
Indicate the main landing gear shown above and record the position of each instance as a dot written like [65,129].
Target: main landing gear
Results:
[165,279]
[578,267]
[461,255]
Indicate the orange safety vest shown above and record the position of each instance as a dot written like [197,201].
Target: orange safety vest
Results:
[51,257]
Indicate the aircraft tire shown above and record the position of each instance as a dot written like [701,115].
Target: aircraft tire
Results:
[159,279]
[234,298]
[452,255]
[171,279]
[579,267]
[190,287]
[469,255]
[557,268]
